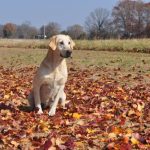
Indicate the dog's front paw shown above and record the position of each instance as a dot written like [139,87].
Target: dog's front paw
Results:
[38,109]
[64,104]
[52,112]
[40,112]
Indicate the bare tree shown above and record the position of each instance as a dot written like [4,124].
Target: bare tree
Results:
[110,30]
[95,23]
[1,31]
[9,30]
[147,19]
[51,29]
[128,16]
[26,31]
[147,13]
[76,31]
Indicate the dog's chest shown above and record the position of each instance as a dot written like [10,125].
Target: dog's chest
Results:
[57,78]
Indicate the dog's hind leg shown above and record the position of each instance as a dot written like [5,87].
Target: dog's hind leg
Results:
[31,100]
[37,100]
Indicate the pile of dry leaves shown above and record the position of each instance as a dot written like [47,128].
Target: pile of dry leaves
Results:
[103,112]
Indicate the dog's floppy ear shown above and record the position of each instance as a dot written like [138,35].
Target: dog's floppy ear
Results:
[52,44]
[72,44]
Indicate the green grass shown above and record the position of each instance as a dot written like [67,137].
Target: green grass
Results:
[24,43]
[23,57]
[19,57]
[134,45]
[113,64]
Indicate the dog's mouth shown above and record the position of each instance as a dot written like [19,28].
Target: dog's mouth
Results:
[65,56]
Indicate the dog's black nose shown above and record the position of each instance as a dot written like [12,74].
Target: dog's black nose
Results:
[68,53]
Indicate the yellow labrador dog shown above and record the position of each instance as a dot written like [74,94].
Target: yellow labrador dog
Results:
[50,79]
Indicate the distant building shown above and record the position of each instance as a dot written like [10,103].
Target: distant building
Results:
[40,36]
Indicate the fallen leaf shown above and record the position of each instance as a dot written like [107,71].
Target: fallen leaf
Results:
[89,131]
[15,143]
[140,107]
[76,115]
[112,135]
[134,141]
[6,96]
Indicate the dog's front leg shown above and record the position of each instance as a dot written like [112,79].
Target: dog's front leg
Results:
[63,99]
[37,100]
[55,103]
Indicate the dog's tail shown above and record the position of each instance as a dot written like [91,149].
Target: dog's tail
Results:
[31,100]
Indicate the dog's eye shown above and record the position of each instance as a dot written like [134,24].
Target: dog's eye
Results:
[62,43]
[69,43]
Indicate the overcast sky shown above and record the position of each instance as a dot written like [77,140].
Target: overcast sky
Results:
[39,12]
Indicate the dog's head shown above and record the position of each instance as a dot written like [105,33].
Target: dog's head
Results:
[62,43]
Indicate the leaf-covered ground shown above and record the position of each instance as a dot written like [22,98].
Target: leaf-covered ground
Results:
[106,110]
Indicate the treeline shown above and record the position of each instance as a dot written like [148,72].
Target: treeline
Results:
[128,19]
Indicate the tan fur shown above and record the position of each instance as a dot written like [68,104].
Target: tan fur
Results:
[50,79]
[52,43]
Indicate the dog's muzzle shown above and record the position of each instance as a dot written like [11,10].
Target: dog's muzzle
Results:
[67,54]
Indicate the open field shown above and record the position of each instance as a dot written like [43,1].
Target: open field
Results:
[23,57]
[125,62]
[109,102]
[134,45]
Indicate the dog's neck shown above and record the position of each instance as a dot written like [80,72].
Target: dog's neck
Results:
[53,59]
